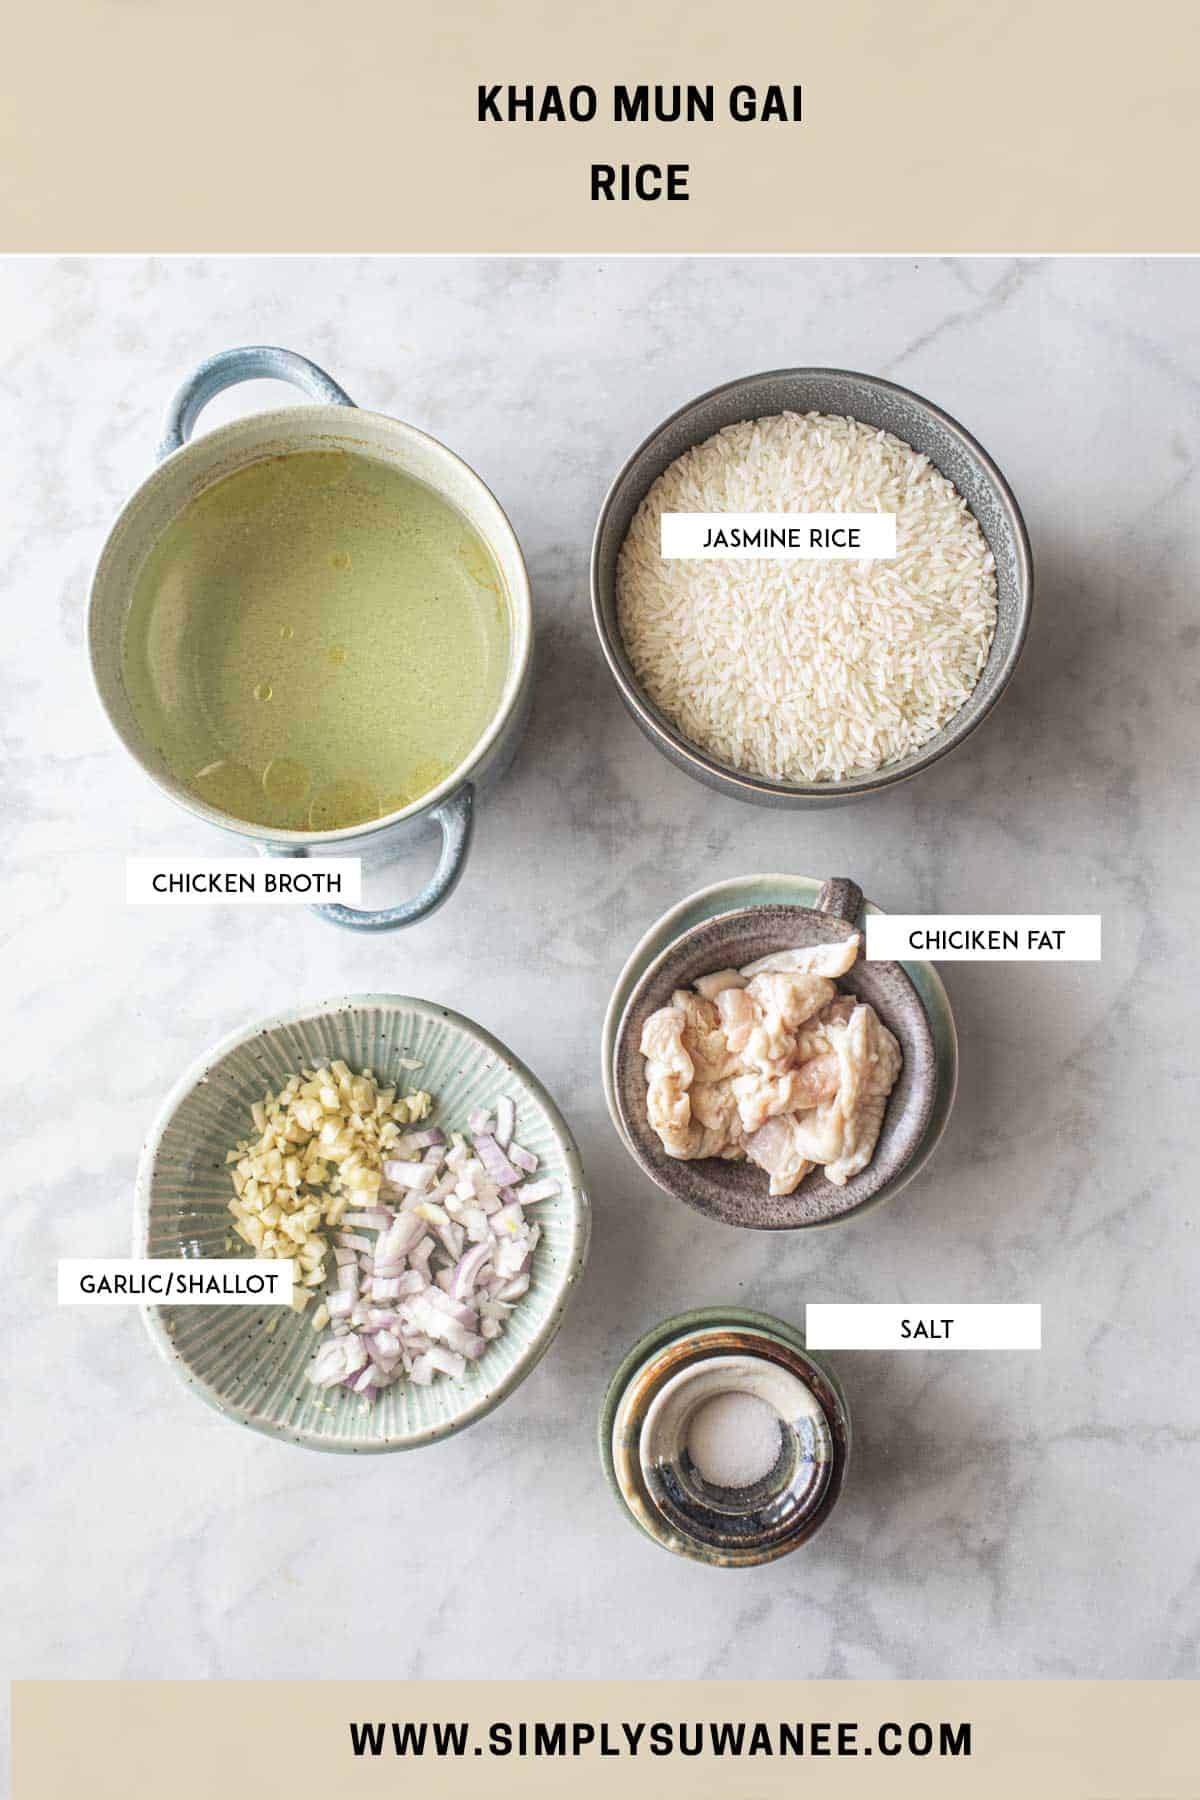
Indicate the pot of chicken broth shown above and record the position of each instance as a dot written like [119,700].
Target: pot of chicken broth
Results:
[313,627]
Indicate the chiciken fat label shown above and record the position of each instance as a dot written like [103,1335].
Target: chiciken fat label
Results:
[984,937]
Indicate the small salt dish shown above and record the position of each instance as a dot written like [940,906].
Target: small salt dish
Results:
[648,1425]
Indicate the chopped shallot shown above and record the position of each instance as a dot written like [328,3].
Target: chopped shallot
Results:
[414,1177]
[540,1190]
[495,1161]
[506,1121]
[450,1254]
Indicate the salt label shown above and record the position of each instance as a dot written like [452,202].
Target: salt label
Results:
[923,1325]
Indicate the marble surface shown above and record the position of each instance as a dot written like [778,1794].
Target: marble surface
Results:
[1007,1515]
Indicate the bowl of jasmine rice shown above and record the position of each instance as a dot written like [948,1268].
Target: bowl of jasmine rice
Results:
[794,682]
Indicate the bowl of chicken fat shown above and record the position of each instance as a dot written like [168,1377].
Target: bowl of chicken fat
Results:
[769,1076]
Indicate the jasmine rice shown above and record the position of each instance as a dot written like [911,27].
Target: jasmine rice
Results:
[809,671]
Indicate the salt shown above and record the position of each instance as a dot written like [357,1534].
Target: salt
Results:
[734,1439]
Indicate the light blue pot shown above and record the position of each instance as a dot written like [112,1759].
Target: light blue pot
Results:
[189,465]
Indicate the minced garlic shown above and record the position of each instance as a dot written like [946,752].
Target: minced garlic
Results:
[320,1146]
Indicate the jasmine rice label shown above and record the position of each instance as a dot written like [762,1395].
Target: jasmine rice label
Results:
[814,537]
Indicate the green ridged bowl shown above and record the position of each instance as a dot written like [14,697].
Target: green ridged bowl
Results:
[249,1362]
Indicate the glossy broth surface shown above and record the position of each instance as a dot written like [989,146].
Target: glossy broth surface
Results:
[315,641]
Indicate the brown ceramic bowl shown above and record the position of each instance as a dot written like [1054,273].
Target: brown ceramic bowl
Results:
[736,1193]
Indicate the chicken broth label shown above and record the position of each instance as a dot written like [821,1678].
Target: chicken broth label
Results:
[923,1325]
[242,881]
[984,937]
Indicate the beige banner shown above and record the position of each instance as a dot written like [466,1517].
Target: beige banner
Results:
[861,1740]
[273,125]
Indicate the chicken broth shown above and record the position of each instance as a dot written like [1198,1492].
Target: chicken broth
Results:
[315,641]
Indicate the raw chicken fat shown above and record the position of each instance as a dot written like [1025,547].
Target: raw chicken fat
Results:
[771,1064]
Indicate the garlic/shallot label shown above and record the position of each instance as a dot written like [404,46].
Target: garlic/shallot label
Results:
[242,881]
[923,1325]
[174,1281]
[984,937]
[815,537]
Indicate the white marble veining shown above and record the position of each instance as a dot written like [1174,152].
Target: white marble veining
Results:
[1007,1515]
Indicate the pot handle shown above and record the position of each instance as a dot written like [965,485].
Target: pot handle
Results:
[252,362]
[841,897]
[455,818]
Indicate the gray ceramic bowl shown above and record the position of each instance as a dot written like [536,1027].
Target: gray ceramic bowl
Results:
[839,391]
[736,1193]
